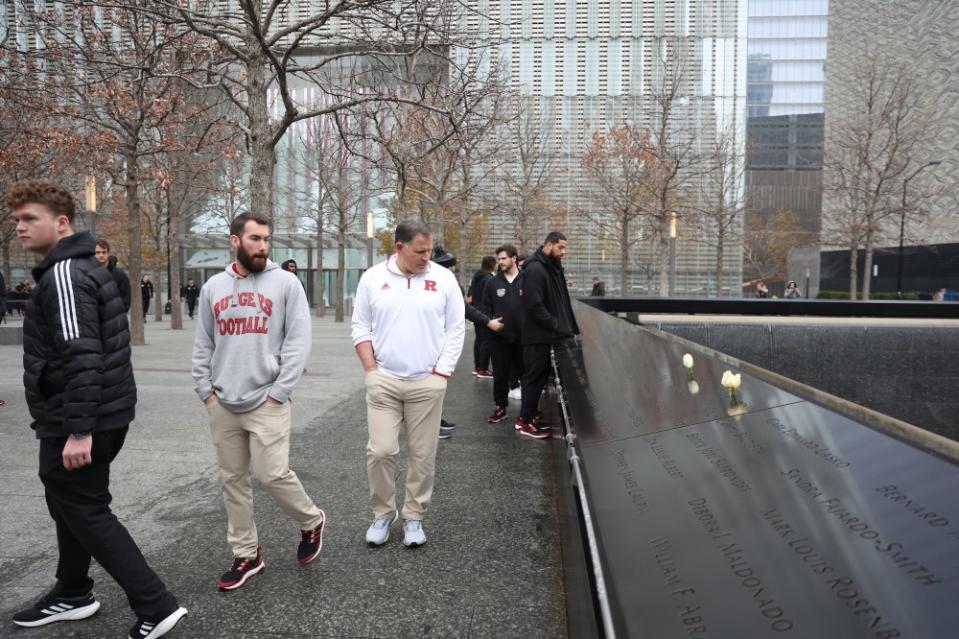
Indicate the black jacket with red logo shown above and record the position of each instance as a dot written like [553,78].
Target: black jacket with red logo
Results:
[76,345]
[547,314]
[501,299]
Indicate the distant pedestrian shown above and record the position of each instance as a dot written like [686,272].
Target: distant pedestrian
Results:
[940,295]
[501,300]
[408,325]
[102,253]
[146,294]
[547,319]
[474,296]
[253,338]
[599,288]
[792,291]
[82,397]
[190,292]
[762,291]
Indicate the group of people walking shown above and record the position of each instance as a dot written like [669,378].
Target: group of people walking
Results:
[252,343]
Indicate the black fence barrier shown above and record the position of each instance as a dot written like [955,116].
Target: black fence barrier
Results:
[748,512]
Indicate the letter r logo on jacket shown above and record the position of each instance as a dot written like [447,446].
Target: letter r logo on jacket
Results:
[430,286]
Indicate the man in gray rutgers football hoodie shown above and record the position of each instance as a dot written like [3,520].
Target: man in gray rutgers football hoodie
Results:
[252,343]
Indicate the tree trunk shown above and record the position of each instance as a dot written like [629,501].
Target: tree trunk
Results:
[853,269]
[173,256]
[340,315]
[158,288]
[464,260]
[624,258]
[664,257]
[262,151]
[6,261]
[319,285]
[867,266]
[134,239]
[720,242]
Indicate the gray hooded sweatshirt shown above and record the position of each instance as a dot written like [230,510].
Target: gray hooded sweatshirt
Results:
[253,338]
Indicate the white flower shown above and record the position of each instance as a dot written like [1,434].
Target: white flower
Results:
[688,360]
[693,386]
[731,381]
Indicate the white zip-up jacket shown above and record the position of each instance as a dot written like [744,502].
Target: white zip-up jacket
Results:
[416,324]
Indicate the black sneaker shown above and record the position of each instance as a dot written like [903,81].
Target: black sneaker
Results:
[498,415]
[450,426]
[144,629]
[311,542]
[53,608]
[243,568]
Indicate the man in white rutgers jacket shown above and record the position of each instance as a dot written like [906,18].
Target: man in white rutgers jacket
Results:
[408,325]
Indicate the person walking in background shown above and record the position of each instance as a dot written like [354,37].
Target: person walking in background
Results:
[599,288]
[102,253]
[191,293]
[253,338]
[408,326]
[792,291]
[82,396]
[474,296]
[547,319]
[146,294]
[501,300]
[762,291]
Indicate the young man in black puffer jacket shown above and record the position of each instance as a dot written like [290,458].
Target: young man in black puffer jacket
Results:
[547,319]
[82,397]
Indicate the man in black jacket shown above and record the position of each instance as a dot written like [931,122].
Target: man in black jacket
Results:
[102,253]
[474,297]
[191,293]
[81,394]
[547,319]
[501,300]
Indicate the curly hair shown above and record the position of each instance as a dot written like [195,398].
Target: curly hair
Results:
[43,192]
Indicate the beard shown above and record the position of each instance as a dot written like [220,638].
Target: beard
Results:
[252,263]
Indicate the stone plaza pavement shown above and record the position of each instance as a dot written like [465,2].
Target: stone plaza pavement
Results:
[491,568]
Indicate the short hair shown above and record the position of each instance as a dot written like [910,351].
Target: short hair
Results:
[239,222]
[488,263]
[509,249]
[554,237]
[408,229]
[104,245]
[44,192]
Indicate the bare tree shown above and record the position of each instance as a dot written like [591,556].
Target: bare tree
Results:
[617,161]
[527,172]
[873,149]
[719,204]
[116,73]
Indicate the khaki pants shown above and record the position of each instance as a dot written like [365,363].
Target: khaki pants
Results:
[263,437]
[391,403]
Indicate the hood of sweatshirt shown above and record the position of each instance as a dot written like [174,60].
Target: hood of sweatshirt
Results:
[540,256]
[253,337]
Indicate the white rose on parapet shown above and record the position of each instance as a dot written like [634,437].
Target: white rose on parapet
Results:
[688,360]
[693,387]
[731,381]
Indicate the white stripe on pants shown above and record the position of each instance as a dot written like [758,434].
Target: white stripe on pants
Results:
[263,437]
[417,405]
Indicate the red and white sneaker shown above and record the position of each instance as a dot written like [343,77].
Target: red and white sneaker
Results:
[483,373]
[527,429]
[243,569]
[498,415]
[311,542]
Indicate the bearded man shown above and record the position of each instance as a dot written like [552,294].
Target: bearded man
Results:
[252,343]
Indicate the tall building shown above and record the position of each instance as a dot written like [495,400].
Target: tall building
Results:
[785,104]
[922,35]
[582,67]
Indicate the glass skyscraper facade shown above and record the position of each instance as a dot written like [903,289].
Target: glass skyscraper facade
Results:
[786,72]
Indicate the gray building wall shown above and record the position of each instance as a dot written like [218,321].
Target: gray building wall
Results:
[925,35]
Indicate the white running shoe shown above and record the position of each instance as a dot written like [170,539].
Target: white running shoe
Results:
[379,531]
[413,533]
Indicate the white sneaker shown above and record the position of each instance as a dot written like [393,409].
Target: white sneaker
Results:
[379,531]
[516,393]
[413,533]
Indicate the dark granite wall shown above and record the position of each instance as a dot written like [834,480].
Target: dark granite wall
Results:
[911,373]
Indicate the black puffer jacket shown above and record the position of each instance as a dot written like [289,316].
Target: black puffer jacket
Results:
[547,315]
[76,345]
